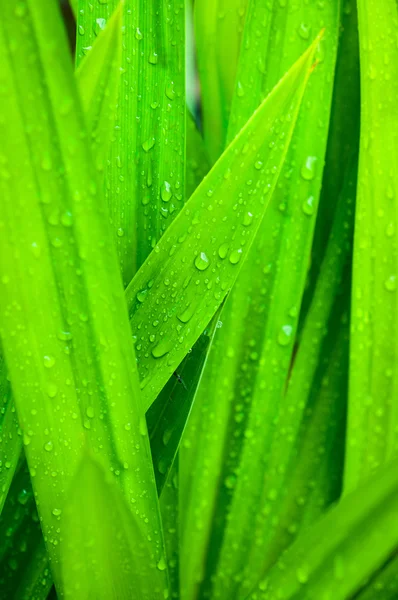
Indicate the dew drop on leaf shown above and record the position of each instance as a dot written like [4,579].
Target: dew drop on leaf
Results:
[165,191]
[223,250]
[202,262]
[235,256]
[308,168]
[285,335]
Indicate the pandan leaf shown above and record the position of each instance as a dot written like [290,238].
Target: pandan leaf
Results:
[383,585]
[310,419]
[372,435]
[334,557]
[72,364]
[194,266]
[98,78]
[218,32]
[168,415]
[242,391]
[145,176]
[197,162]
[10,435]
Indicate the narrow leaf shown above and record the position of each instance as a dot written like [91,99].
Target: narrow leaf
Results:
[218,31]
[336,556]
[145,176]
[194,266]
[98,77]
[372,436]
[71,363]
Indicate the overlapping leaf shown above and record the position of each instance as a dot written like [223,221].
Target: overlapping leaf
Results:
[248,366]
[191,270]
[72,363]
[218,32]
[337,555]
[373,417]
[145,176]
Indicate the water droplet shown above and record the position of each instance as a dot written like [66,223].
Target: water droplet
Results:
[49,361]
[230,482]
[162,564]
[308,168]
[153,58]
[165,191]
[48,446]
[390,230]
[187,314]
[258,165]
[90,412]
[308,206]
[120,232]
[240,90]
[304,31]
[138,34]
[302,574]
[162,349]
[285,335]
[141,295]
[223,250]
[100,25]
[149,144]
[57,512]
[247,219]
[67,219]
[170,92]
[52,390]
[202,262]
[391,283]
[235,256]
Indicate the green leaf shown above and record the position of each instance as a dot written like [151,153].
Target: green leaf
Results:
[194,266]
[373,418]
[168,415]
[74,6]
[100,529]
[334,558]
[383,584]
[343,139]
[72,364]
[218,31]
[242,391]
[303,460]
[145,176]
[10,435]
[98,77]
[197,162]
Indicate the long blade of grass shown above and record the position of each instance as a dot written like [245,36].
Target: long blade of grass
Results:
[145,176]
[10,435]
[197,162]
[383,584]
[218,32]
[308,422]
[168,415]
[373,416]
[97,79]
[260,316]
[336,556]
[79,386]
[192,269]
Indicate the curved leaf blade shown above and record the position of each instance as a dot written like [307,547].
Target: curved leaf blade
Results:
[177,270]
